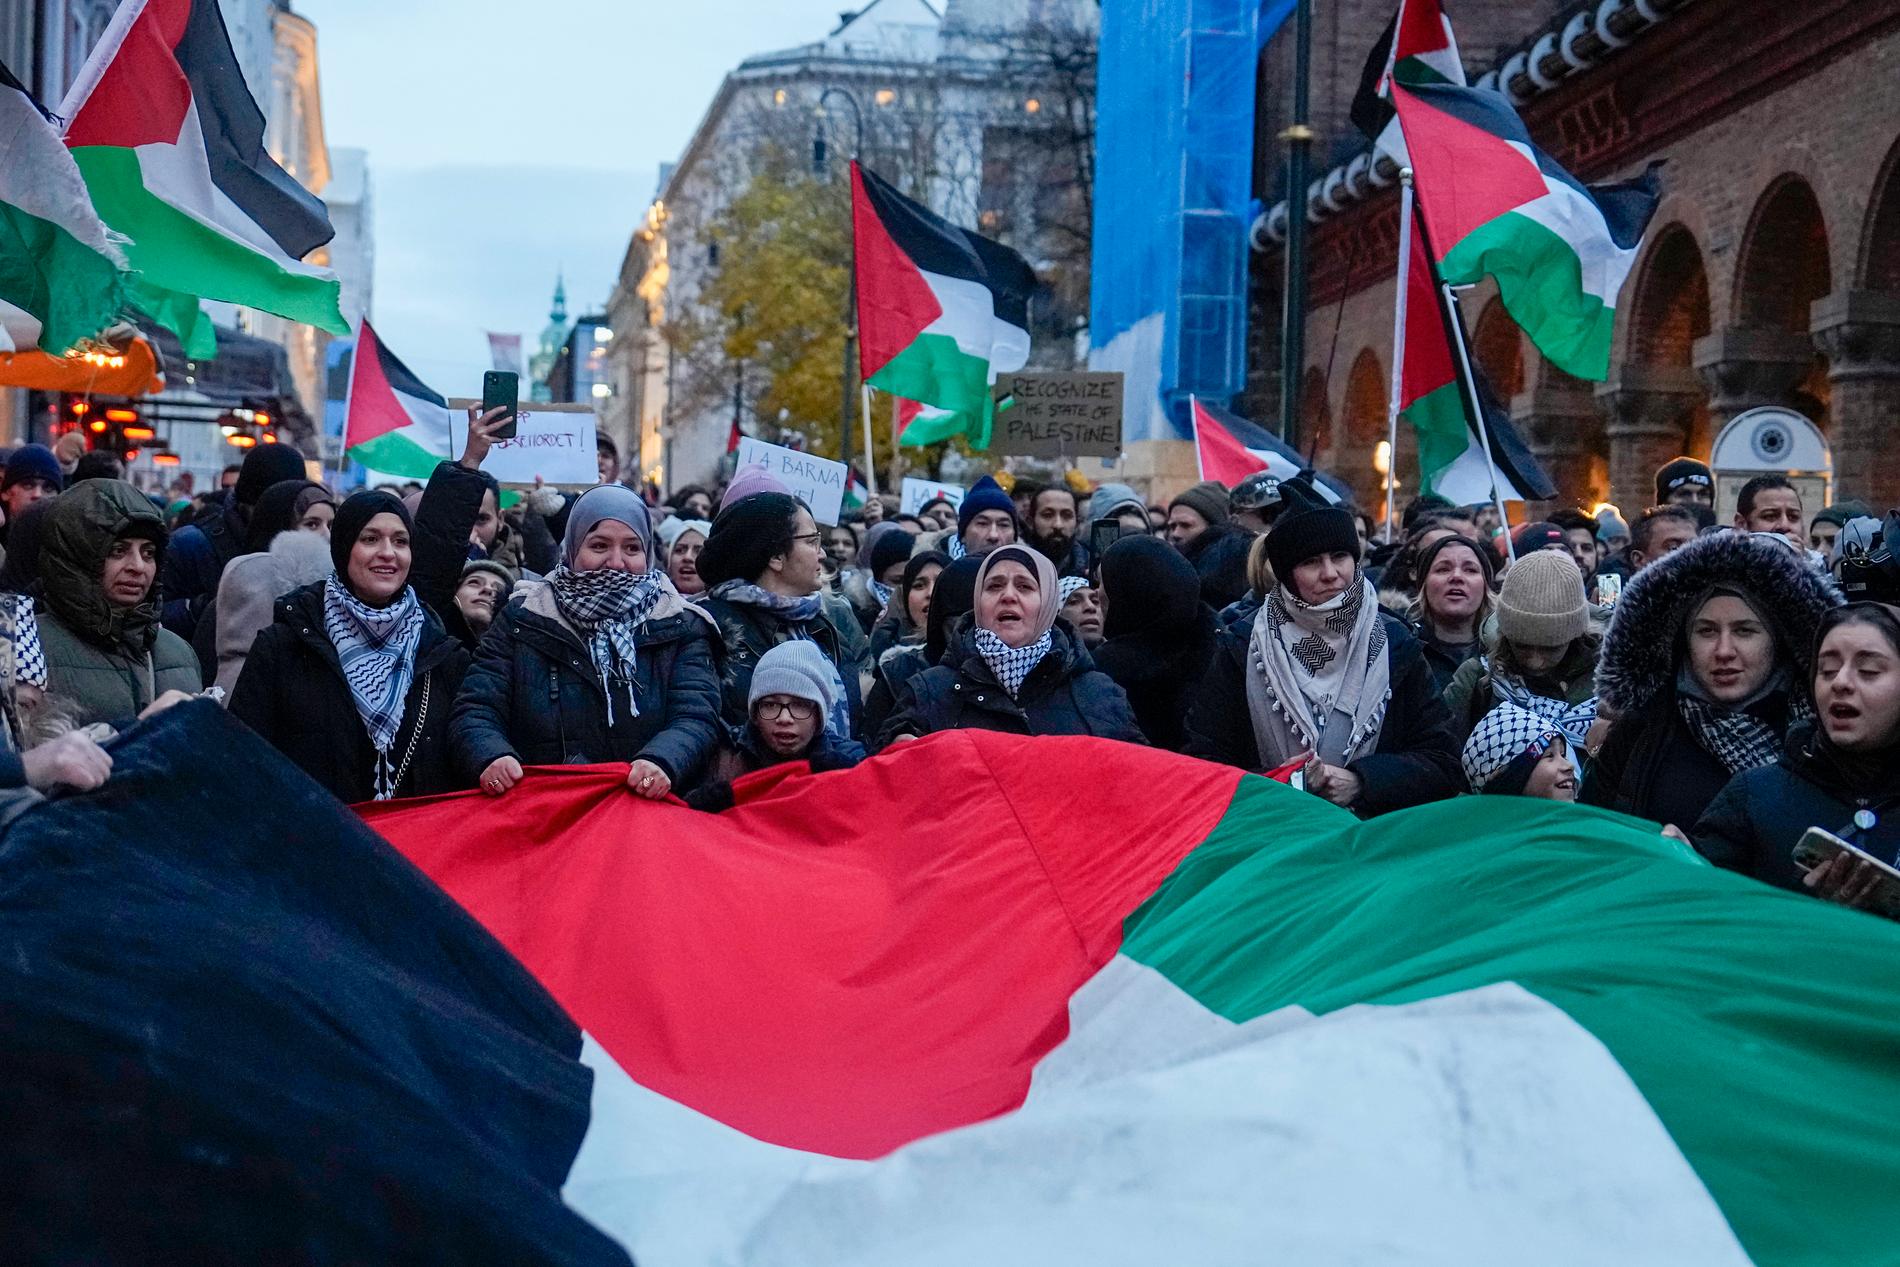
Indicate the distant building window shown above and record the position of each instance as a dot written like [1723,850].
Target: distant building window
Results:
[885,96]
[712,254]
[1032,106]
[778,98]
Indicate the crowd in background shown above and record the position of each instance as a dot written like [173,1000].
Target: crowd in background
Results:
[1737,684]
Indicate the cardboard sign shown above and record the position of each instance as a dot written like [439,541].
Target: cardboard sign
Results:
[919,493]
[816,481]
[1059,415]
[552,442]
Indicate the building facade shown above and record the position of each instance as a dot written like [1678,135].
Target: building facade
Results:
[1770,275]
[955,106]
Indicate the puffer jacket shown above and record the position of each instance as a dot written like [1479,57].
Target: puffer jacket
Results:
[1415,761]
[748,632]
[293,693]
[533,693]
[1063,695]
[1754,822]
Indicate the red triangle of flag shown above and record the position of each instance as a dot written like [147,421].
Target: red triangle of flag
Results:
[895,303]
[372,408]
[1223,457]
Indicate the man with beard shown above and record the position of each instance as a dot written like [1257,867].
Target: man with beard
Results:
[1052,528]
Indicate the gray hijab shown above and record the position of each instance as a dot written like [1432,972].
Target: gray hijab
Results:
[597,505]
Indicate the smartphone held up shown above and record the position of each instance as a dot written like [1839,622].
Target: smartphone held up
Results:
[501,389]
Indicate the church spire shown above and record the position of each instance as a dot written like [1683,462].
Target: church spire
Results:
[558,314]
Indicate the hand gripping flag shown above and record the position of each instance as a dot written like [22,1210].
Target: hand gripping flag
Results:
[62,277]
[1494,204]
[171,146]
[941,311]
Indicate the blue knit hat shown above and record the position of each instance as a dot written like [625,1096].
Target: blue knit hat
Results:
[987,495]
[34,462]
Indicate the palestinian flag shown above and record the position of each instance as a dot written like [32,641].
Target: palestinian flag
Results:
[1434,402]
[62,278]
[1494,204]
[171,146]
[941,311]
[1229,449]
[1200,1027]
[1418,47]
[855,491]
[394,424]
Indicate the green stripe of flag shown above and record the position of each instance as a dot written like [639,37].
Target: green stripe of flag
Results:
[1438,417]
[72,290]
[394,453]
[173,251]
[1540,282]
[1763,1027]
[935,369]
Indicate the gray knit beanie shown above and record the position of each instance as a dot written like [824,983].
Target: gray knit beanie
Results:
[1542,603]
[798,669]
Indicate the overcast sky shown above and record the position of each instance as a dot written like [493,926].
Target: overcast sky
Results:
[509,140]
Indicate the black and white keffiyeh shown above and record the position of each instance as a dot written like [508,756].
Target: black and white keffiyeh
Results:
[607,606]
[1320,676]
[1734,734]
[1010,665]
[377,648]
[1572,721]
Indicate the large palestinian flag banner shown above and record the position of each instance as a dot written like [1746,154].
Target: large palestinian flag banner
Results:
[395,424]
[941,311]
[984,999]
[1495,205]
[62,278]
[171,145]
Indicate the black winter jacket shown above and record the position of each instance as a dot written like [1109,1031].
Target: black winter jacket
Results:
[1651,766]
[744,753]
[292,692]
[1416,760]
[533,694]
[1754,822]
[1161,671]
[748,632]
[194,562]
[1220,556]
[1063,695]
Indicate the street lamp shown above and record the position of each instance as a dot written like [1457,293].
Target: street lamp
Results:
[818,154]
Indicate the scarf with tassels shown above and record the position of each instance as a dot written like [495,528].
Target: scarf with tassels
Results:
[1320,677]
[377,648]
[607,607]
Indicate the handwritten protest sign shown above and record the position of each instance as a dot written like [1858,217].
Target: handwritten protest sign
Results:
[1059,415]
[818,482]
[919,493]
[552,442]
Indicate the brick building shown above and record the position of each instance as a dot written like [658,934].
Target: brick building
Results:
[1771,274]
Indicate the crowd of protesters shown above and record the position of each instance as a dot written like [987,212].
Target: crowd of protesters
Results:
[1735,684]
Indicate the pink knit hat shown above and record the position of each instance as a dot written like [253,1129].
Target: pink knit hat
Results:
[750,480]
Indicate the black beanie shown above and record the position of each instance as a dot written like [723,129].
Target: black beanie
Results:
[1680,472]
[1306,529]
[746,535]
[265,465]
[353,516]
[953,597]
[889,550]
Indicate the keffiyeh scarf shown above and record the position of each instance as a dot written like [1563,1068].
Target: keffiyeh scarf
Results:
[1733,735]
[607,606]
[377,649]
[1321,677]
[1572,721]
[882,593]
[1010,665]
[953,546]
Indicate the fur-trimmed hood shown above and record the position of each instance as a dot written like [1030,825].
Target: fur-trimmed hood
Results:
[1641,652]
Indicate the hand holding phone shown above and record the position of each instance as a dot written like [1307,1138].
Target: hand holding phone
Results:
[1841,872]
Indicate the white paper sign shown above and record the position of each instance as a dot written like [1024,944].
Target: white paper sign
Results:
[920,493]
[553,442]
[816,481]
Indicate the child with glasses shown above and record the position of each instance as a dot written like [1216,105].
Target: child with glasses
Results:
[792,690]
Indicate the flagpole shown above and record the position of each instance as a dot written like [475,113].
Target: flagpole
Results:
[897,454]
[870,441]
[1398,347]
[1477,413]
[1194,417]
[349,396]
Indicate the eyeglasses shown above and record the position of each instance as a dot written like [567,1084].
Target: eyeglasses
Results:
[772,710]
[816,539]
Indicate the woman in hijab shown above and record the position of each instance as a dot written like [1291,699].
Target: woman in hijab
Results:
[1840,771]
[1010,666]
[1455,575]
[355,680]
[1327,679]
[107,658]
[764,563]
[681,540]
[1160,634]
[601,662]
[953,594]
[1707,665]
[907,605]
[256,579]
